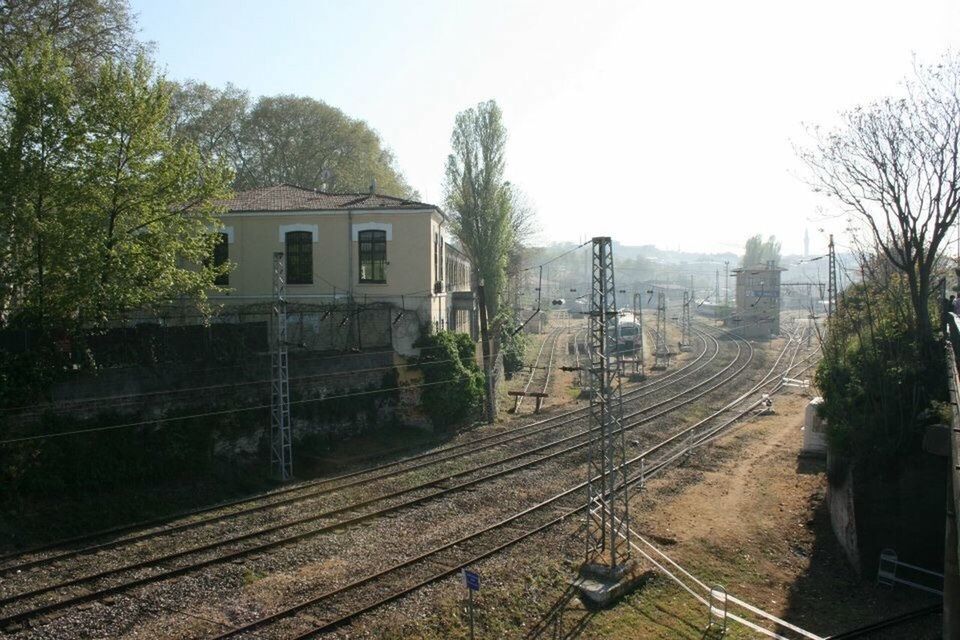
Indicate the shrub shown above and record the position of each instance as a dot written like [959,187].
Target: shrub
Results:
[513,347]
[453,388]
[879,391]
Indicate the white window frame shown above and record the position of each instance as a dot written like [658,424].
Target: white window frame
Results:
[288,228]
[371,226]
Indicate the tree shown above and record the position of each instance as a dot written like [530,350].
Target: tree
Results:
[490,216]
[41,138]
[210,118]
[285,138]
[756,251]
[894,165]
[89,32]
[102,211]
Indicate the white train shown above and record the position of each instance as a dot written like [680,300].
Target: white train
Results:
[629,334]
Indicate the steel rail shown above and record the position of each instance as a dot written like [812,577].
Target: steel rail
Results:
[553,337]
[172,572]
[327,485]
[341,619]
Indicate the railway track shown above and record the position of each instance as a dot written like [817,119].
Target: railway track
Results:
[335,607]
[85,544]
[93,586]
[553,339]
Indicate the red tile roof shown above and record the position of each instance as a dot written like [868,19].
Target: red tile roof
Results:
[289,197]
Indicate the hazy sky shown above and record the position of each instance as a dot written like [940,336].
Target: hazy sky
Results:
[667,123]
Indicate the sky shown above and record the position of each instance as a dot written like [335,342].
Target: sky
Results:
[664,123]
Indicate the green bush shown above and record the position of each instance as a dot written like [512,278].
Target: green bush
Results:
[453,390]
[513,347]
[879,391]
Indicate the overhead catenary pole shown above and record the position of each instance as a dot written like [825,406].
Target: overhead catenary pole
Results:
[726,283]
[831,278]
[661,355]
[607,516]
[281,441]
[639,366]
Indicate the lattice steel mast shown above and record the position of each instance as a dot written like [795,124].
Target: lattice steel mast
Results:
[281,446]
[831,278]
[661,354]
[608,515]
[686,328]
[638,362]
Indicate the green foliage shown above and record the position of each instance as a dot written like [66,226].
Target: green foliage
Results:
[102,210]
[487,217]
[454,382]
[879,391]
[757,252]
[88,31]
[513,347]
[286,138]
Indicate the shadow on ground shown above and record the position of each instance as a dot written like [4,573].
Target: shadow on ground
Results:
[829,598]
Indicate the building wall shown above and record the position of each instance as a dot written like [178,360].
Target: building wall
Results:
[411,270]
[758,301]
[417,258]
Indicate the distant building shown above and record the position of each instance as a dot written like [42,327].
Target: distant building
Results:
[757,314]
[340,248]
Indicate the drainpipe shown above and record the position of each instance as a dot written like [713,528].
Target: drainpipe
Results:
[350,253]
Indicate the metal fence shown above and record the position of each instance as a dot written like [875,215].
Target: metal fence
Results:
[951,580]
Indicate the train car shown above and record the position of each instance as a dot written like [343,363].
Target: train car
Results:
[629,333]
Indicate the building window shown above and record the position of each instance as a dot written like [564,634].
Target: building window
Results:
[221,253]
[299,246]
[373,256]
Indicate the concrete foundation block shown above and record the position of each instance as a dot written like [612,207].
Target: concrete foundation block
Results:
[601,586]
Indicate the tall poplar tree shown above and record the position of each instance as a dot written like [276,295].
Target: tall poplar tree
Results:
[478,197]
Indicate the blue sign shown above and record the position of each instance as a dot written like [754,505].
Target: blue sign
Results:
[471,580]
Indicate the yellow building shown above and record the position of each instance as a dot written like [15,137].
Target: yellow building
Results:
[360,248]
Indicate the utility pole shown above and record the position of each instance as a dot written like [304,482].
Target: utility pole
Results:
[716,292]
[281,441]
[487,355]
[608,521]
[831,278]
[661,355]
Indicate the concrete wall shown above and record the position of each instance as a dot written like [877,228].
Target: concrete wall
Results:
[840,500]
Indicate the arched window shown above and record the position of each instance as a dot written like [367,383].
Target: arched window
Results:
[299,247]
[373,256]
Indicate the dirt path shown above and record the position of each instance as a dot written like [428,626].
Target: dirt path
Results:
[748,513]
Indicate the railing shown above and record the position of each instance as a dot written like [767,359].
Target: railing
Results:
[951,583]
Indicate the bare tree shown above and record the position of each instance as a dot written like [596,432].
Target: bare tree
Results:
[894,164]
